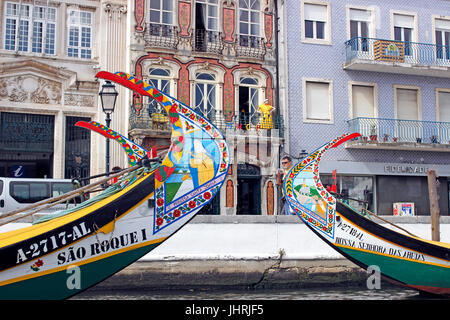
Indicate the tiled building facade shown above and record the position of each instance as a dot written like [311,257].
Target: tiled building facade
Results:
[380,68]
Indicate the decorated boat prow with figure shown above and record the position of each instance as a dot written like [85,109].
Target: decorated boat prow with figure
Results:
[400,257]
[64,253]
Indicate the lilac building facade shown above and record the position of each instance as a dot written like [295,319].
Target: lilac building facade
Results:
[380,68]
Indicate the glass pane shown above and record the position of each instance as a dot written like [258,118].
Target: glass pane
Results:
[37,37]
[364,29]
[320,30]
[10,34]
[397,33]
[254,17]
[205,76]
[309,29]
[50,39]
[38,191]
[167,5]
[354,29]
[249,81]
[254,28]
[155,4]
[243,15]
[159,72]
[155,16]
[167,17]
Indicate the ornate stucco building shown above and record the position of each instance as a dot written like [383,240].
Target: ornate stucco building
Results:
[220,58]
[50,52]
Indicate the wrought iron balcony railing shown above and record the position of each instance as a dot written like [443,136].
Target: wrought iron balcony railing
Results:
[240,123]
[370,49]
[400,131]
[207,41]
[250,46]
[160,35]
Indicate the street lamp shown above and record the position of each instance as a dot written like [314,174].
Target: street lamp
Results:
[108,96]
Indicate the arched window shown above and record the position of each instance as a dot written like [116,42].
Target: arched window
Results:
[205,95]
[160,79]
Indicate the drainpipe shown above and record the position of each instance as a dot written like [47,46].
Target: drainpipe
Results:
[277,99]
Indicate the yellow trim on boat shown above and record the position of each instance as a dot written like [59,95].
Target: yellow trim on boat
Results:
[82,262]
[13,236]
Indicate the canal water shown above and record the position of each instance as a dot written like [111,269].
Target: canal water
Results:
[347,293]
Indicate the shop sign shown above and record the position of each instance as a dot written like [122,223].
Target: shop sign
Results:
[409,169]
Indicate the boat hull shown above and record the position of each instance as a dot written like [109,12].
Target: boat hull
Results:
[399,257]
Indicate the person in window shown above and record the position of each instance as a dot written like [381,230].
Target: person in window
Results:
[286,163]
[266,109]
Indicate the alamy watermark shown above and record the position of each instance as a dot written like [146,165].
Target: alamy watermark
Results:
[74,279]
[374,279]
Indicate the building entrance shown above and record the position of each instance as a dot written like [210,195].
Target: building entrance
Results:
[248,190]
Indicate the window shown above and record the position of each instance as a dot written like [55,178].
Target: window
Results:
[248,101]
[205,95]
[360,25]
[161,17]
[316,22]
[158,78]
[29,192]
[407,104]
[31,29]
[443,114]
[443,105]
[317,101]
[363,101]
[442,36]
[206,23]
[80,34]
[249,23]
[404,30]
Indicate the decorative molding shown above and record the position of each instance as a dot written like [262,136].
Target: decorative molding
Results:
[184,18]
[228,24]
[268,28]
[139,8]
[30,89]
[270,198]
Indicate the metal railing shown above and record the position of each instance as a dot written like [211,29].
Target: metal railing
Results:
[371,49]
[241,123]
[207,41]
[160,35]
[250,46]
[400,131]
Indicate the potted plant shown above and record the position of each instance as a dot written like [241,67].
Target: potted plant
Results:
[433,139]
[419,140]
[395,139]
[373,133]
[385,137]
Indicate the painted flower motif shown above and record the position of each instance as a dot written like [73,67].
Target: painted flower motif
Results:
[39,263]
[160,202]
[184,110]
[159,221]
[207,195]
[192,204]
[176,213]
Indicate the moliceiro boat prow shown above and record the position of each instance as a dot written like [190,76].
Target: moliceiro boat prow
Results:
[67,252]
[402,258]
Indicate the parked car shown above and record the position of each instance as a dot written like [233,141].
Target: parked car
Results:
[17,193]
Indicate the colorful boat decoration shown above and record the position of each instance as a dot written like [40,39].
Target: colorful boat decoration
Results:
[61,255]
[401,258]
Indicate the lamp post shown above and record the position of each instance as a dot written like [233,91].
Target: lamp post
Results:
[108,96]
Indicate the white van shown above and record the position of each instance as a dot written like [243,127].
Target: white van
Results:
[17,193]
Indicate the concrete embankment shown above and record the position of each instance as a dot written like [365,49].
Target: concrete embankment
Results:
[230,252]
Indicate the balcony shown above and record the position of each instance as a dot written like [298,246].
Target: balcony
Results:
[379,55]
[250,47]
[395,134]
[160,36]
[207,41]
[156,123]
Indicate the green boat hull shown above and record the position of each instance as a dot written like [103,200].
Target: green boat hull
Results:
[55,285]
[407,272]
